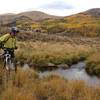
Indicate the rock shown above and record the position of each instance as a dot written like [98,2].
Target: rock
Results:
[51,65]
[26,67]
[63,66]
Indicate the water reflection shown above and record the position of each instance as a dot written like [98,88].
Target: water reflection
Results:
[76,72]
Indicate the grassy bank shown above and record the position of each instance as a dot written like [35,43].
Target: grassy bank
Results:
[42,53]
[26,85]
[93,64]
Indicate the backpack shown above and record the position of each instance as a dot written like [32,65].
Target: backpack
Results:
[2,43]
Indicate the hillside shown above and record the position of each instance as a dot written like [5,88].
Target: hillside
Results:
[81,24]
[36,15]
[6,18]
[86,24]
[33,15]
[93,12]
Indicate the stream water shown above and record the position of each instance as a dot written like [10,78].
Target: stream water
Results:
[76,72]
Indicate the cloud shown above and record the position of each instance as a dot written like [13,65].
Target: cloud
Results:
[54,7]
[57,5]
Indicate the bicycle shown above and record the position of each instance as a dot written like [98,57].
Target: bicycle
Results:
[9,60]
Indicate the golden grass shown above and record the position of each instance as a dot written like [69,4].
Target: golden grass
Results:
[42,53]
[26,86]
[93,64]
[76,25]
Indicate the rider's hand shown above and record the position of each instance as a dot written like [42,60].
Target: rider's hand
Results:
[16,47]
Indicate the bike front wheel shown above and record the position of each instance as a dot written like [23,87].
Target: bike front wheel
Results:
[10,64]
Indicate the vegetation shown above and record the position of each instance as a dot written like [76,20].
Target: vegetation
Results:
[40,54]
[85,24]
[93,64]
[76,25]
[26,85]
[48,43]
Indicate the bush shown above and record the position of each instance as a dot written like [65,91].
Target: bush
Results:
[93,64]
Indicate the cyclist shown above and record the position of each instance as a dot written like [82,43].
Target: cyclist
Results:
[8,41]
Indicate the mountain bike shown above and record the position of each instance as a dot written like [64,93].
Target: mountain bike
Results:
[9,60]
[9,65]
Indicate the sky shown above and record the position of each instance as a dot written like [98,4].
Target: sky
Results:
[53,7]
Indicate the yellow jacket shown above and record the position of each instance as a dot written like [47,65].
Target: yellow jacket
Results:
[8,41]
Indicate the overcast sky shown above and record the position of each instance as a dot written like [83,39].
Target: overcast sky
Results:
[53,7]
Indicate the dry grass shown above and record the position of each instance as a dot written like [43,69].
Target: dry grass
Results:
[93,64]
[42,53]
[26,85]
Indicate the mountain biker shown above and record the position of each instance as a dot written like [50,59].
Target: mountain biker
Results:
[8,41]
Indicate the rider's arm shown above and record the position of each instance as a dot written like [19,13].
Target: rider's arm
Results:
[15,43]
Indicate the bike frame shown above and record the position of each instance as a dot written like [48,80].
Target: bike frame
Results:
[9,62]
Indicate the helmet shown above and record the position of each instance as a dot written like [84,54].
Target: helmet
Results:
[14,30]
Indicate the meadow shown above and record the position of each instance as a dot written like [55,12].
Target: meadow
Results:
[50,43]
[41,54]
[93,64]
[26,85]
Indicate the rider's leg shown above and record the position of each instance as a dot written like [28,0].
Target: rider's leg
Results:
[13,60]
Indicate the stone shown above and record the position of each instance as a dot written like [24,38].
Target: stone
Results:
[63,66]
[51,65]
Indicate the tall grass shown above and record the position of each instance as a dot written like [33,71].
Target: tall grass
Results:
[41,53]
[93,64]
[26,85]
